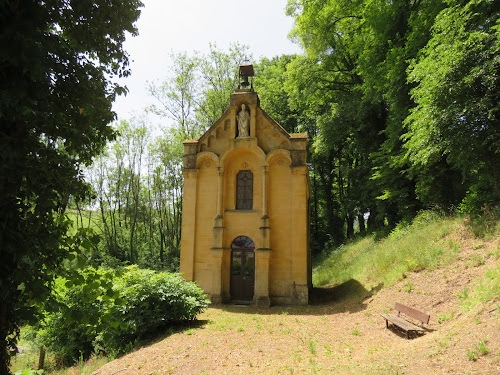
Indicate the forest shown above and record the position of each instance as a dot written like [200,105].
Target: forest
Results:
[399,100]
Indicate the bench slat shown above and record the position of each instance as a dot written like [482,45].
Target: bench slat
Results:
[404,324]
[424,318]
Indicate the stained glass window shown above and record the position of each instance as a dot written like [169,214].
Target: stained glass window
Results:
[244,190]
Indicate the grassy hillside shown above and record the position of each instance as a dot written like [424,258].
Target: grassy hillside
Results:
[430,242]
[436,265]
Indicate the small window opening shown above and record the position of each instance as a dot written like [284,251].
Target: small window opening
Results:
[244,190]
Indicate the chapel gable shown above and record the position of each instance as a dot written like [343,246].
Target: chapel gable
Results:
[269,135]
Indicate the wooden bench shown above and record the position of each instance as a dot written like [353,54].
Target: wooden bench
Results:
[403,323]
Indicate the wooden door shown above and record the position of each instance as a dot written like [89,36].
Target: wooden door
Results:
[242,269]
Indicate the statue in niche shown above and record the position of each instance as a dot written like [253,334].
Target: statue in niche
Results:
[243,122]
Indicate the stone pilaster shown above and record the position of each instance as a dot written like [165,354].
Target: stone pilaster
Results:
[217,257]
[188,241]
[299,235]
[261,291]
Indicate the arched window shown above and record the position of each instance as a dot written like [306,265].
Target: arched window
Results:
[244,190]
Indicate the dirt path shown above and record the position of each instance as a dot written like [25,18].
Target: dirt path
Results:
[342,333]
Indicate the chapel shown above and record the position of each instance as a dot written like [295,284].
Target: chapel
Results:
[245,220]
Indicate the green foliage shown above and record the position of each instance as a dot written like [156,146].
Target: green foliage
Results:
[481,350]
[29,372]
[445,317]
[402,108]
[472,355]
[58,59]
[196,94]
[457,111]
[270,83]
[109,311]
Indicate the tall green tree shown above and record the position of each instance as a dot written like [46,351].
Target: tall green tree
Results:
[56,62]
[329,84]
[270,83]
[178,97]
[219,72]
[196,93]
[354,83]
[457,113]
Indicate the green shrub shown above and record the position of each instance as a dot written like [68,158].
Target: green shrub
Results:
[69,329]
[111,310]
[152,300]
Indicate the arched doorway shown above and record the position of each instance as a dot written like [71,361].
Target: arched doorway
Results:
[242,269]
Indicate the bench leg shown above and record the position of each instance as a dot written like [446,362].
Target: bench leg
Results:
[386,323]
[407,335]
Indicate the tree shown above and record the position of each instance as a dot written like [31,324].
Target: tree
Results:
[354,85]
[457,75]
[57,60]
[178,97]
[328,82]
[219,77]
[269,82]
[196,94]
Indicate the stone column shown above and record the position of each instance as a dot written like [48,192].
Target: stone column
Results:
[217,249]
[264,220]
[216,295]
[299,235]
[219,190]
[264,190]
[218,220]
[188,241]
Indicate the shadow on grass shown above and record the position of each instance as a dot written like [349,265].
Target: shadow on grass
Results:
[163,333]
[349,290]
[346,297]
[412,335]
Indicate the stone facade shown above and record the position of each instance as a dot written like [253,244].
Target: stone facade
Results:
[275,224]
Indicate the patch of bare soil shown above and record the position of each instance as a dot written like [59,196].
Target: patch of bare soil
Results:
[341,332]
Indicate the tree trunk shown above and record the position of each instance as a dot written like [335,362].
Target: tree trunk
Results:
[361,223]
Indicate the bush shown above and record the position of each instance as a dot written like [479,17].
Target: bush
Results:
[151,300]
[482,205]
[109,310]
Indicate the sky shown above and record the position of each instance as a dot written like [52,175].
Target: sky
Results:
[167,26]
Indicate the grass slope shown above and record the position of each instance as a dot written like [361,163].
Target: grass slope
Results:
[425,244]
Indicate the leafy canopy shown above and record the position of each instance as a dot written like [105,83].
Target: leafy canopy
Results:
[57,60]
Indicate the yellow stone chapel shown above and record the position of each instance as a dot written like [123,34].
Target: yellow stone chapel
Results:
[245,226]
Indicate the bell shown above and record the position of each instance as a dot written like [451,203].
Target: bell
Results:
[245,82]
[246,71]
